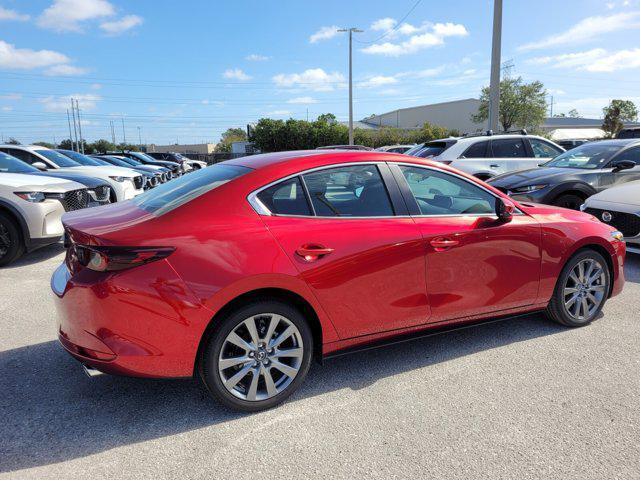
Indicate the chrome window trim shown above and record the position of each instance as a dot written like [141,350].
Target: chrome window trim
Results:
[261,209]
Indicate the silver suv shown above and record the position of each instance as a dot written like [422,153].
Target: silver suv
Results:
[30,211]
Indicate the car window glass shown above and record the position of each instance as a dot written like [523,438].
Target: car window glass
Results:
[508,148]
[286,198]
[439,193]
[632,154]
[542,149]
[477,150]
[23,155]
[353,191]
[11,164]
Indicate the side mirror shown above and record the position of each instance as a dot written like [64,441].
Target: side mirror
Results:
[504,209]
[622,165]
[39,166]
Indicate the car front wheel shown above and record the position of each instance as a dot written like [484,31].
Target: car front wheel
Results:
[257,356]
[570,201]
[11,245]
[581,290]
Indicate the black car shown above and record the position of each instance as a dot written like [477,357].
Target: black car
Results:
[153,177]
[571,177]
[100,192]
[165,173]
[629,132]
[176,169]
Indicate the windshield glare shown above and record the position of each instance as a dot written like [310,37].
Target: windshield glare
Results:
[80,158]
[11,164]
[586,157]
[57,158]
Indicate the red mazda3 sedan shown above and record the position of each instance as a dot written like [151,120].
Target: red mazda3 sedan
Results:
[243,272]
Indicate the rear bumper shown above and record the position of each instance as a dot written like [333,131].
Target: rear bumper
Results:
[140,322]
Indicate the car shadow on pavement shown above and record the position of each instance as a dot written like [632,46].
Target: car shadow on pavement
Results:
[36,256]
[51,412]
[632,268]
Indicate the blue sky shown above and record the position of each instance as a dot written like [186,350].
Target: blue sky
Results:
[185,71]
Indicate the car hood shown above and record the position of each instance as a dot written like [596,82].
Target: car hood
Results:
[31,182]
[103,171]
[534,176]
[86,180]
[626,194]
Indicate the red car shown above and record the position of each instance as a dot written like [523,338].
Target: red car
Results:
[243,272]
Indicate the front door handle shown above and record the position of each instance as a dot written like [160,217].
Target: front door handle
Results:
[312,251]
[441,244]
[494,165]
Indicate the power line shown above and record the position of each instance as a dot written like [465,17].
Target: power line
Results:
[397,26]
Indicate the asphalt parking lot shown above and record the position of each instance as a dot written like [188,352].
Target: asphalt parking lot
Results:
[523,398]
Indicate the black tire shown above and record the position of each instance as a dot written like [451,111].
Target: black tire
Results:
[215,341]
[569,200]
[11,243]
[556,310]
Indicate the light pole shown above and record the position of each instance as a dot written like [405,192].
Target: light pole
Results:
[494,87]
[351,31]
[139,138]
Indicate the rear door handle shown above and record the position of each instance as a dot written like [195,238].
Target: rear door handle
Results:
[494,165]
[312,251]
[440,244]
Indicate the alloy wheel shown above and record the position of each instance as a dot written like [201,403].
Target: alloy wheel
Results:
[584,289]
[5,240]
[260,357]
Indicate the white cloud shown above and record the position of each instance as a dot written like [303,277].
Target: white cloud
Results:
[325,33]
[587,29]
[595,60]
[236,74]
[425,73]
[95,86]
[52,103]
[378,81]
[116,27]
[11,96]
[303,100]
[384,24]
[279,113]
[255,57]
[432,35]
[64,70]
[313,79]
[25,58]
[7,108]
[67,15]
[7,14]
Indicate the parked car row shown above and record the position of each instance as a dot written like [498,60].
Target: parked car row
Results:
[39,184]
[601,178]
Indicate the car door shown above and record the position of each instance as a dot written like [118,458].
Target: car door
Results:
[511,155]
[609,177]
[474,160]
[476,264]
[364,263]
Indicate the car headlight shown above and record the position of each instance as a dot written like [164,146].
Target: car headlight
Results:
[616,235]
[118,179]
[33,197]
[528,189]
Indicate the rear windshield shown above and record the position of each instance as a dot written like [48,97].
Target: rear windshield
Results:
[432,149]
[170,195]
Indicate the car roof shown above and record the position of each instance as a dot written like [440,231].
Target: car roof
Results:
[25,147]
[264,159]
[619,142]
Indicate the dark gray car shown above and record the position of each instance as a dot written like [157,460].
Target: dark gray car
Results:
[573,176]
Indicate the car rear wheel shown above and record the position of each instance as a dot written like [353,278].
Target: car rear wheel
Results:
[257,356]
[569,200]
[581,290]
[11,244]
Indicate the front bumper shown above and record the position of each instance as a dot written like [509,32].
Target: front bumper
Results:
[139,322]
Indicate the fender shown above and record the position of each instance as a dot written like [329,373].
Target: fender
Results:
[21,222]
[581,187]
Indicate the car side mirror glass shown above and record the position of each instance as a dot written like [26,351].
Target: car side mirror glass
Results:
[39,166]
[623,165]
[504,209]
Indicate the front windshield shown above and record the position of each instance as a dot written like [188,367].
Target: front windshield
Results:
[57,158]
[414,150]
[144,156]
[11,164]
[588,157]
[130,161]
[80,158]
[117,161]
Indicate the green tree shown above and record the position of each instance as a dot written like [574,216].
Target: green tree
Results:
[573,113]
[45,144]
[612,123]
[628,112]
[12,141]
[522,105]
[103,146]
[228,137]
[66,144]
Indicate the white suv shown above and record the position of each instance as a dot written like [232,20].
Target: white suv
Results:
[487,155]
[125,183]
[31,207]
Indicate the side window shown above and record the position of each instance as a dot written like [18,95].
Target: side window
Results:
[477,150]
[286,198]
[542,149]
[22,155]
[508,148]
[439,193]
[632,154]
[350,191]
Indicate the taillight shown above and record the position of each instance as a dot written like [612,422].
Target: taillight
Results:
[103,259]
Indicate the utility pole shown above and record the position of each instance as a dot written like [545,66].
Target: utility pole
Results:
[70,135]
[551,107]
[80,127]
[124,135]
[494,87]
[351,31]
[113,132]
[75,131]
[139,138]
